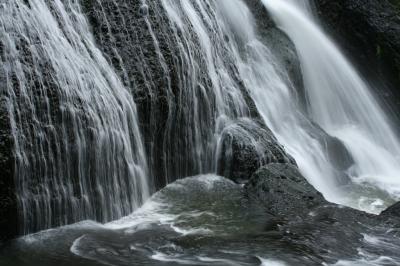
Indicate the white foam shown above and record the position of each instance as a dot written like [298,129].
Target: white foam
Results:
[166,258]
[224,261]
[271,262]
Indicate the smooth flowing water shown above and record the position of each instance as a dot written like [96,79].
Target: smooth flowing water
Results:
[340,102]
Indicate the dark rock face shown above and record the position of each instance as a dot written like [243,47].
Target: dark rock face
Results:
[369,31]
[8,201]
[245,146]
[283,190]
[392,211]
[144,48]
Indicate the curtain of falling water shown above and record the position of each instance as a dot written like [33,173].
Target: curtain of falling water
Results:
[340,101]
[210,86]
[186,84]
[79,153]
[233,35]
[353,109]
[275,97]
[78,147]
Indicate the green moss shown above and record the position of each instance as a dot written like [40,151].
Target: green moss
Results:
[378,50]
[396,3]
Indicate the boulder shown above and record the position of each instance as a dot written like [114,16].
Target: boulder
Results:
[245,146]
[283,190]
[393,211]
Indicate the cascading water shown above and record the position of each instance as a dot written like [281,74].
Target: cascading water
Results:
[275,98]
[79,153]
[340,102]
[89,161]
[198,70]
[86,147]
[175,57]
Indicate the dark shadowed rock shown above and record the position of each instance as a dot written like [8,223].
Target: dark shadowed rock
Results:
[8,202]
[283,190]
[393,211]
[245,146]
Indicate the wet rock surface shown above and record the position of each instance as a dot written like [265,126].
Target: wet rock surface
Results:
[8,201]
[393,211]
[247,145]
[176,113]
[283,190]
[301,214]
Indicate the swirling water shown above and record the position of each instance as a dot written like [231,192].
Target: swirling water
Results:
[201,220]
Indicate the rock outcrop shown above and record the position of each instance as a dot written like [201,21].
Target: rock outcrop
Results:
[283,190]
[392,211]
[245,146]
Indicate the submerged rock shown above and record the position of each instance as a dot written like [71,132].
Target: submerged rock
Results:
[245,146]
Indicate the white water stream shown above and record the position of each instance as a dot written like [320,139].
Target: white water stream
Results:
[79,152]
[339,100]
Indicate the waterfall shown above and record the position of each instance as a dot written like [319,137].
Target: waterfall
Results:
[71,90]
[340,101]
[209,87]
[194,68]
[78,149]
[223,33]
